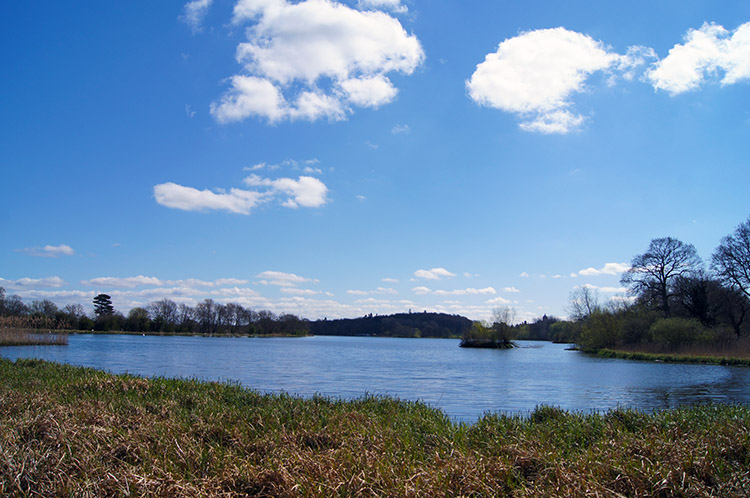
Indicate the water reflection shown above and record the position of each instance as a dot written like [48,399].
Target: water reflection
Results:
[465,383]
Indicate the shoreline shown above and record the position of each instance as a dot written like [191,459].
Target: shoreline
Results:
[671,358]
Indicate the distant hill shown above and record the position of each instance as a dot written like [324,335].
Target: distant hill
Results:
[399,325]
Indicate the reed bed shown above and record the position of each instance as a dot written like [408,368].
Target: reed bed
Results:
[735,352]
[69,431]
[32,337]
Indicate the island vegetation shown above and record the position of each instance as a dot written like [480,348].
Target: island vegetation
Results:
[71,431]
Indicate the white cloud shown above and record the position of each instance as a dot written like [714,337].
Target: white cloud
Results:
[49,251]
[26,283]
[499,300]
[607,269]
[401,129]
[392,5]
[126,282]
[299,292]
[433,274]
[463,292]
[510,289]
[379,290]
[390,280]
[524,275]
[190,199]
[282,279]
[306,191]
[535,74]
[457,292]
[707,51]
[250,96]
[315,59]
[194,12]
[608,290]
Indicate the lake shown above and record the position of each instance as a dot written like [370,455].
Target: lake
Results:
[464,383]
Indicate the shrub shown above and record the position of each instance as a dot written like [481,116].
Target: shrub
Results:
[677,332]
[601,330]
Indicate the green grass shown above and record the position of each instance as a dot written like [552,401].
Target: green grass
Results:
[674,358]
[69,431]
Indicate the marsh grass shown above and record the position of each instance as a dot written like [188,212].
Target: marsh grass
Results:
[68,431]
[732,353]
[32,337]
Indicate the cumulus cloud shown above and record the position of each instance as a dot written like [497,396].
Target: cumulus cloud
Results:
[391,5]
[282,279]
[499,300]
[49,251]
[510,289]
[190,199]
[299,292]
[464,292]
[433,274]
[316,59]
[457,292]
[26,283]
[306,191]
[379,290]
[194,12]
[608,290]
[535,75]
[607,269]
[126,282]
[706,53]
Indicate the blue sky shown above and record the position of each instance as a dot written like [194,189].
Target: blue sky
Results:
[365,156]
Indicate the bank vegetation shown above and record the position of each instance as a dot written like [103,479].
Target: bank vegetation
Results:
[69,431]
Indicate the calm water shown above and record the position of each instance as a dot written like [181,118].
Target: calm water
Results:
[464,383]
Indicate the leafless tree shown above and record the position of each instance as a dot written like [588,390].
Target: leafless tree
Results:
[652,274]
[583,301]
[731,260]
[163,313]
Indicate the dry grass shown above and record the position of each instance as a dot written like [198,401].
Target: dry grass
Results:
[67,431]
[32,337]
[732,353]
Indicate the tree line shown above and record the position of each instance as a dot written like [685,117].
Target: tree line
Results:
[679,301]
[434,325]
[163,316]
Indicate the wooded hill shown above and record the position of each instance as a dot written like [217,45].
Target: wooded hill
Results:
[439,325]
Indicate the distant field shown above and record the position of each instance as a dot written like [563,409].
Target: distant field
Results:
[69,431]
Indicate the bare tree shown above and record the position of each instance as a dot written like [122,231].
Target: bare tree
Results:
[505,315]
[163,313]
[653,273]
[731,260]
[206,314]
[583,301]
[44,307]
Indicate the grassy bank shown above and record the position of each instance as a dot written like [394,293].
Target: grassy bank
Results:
[68,431]
[32,337]
[675,358]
